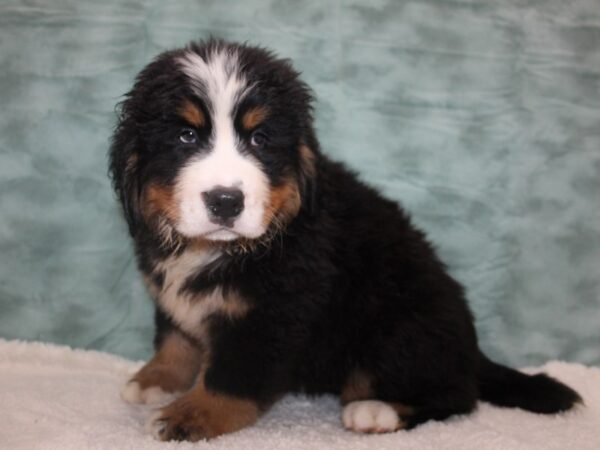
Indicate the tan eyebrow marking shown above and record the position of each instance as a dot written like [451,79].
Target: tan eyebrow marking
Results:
[192,114]
[254,116]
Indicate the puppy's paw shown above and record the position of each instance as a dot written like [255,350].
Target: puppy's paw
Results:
[202,415]
[132,392]
[180,422]
[371,416]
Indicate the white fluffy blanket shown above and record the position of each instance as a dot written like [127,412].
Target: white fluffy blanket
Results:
[54,397]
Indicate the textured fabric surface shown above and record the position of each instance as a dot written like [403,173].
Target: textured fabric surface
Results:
[57,398]
[481,117]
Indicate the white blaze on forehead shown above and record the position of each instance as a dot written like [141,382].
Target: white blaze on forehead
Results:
[219,82]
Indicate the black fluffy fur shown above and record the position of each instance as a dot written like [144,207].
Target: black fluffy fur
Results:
[348,284]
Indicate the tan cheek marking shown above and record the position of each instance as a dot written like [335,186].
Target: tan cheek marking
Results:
[284,202]
[192,114]
[254,117]
[173,367]
[357,387]
[159,200]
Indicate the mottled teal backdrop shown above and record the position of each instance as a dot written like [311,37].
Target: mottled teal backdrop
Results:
[481,117]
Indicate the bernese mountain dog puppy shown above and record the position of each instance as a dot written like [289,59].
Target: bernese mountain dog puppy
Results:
[275,270]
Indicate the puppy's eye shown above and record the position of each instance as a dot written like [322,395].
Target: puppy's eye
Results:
[258,139]
[188,136]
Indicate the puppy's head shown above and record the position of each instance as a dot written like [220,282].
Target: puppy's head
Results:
[215,143]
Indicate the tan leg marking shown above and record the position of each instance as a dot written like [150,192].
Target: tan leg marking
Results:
[364,413]
[201,414]
[402,409]
[357,387]
[173,369]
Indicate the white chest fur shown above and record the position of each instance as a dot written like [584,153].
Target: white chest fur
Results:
[187,309]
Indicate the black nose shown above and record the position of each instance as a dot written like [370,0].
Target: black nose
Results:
[224,204]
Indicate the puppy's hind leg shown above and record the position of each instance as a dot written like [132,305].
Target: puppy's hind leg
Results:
[364,412]
[374,416]
[384,409]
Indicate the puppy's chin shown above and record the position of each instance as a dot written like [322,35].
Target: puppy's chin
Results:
[223,234]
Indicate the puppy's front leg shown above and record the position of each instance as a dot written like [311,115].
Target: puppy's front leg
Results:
[202,414]
[172,370]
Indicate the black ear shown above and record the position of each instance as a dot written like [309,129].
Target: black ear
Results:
[123,169]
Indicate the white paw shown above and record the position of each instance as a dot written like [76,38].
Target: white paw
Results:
[370,416]
[133,393]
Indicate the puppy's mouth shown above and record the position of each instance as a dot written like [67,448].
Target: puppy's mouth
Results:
[222,234]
